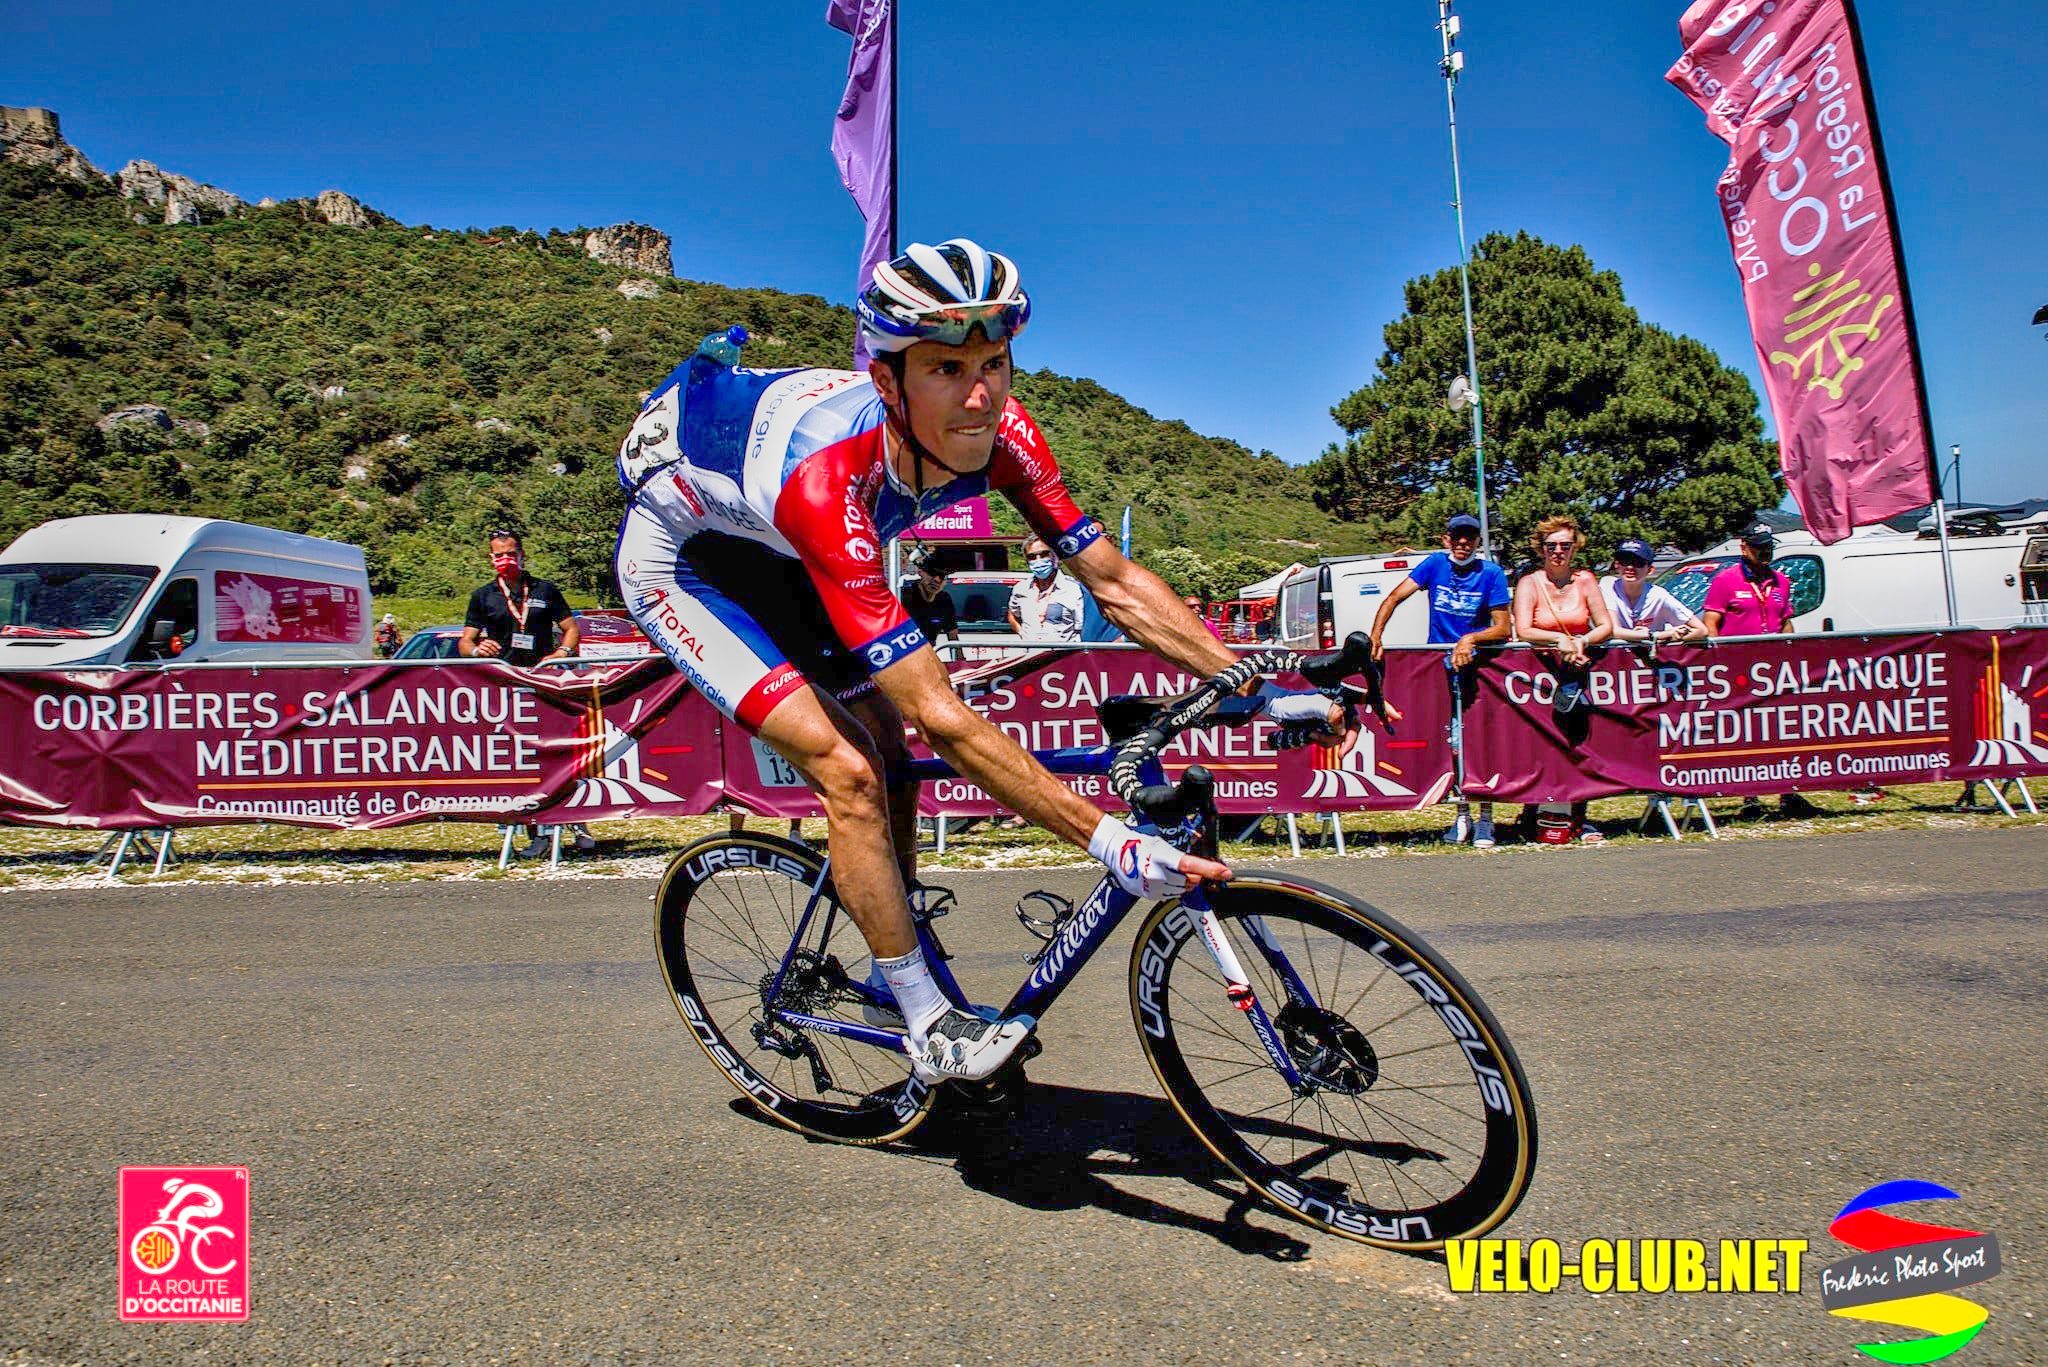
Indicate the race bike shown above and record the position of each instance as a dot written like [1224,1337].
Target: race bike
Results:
[1319,1048]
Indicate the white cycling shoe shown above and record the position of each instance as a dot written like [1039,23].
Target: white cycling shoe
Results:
[963,1048]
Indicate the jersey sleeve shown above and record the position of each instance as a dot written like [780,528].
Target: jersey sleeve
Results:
[477,616]
[1024,470]
[821,514]
[1720,591]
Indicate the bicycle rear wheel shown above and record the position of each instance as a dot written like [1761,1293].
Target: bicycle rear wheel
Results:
[1412,1124]
[725,920]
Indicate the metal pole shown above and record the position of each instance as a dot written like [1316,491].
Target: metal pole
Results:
[1891,211]
[1948,574]
[895,83]
[1450,70]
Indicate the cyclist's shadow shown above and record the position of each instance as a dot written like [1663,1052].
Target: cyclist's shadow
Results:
[1055,1148]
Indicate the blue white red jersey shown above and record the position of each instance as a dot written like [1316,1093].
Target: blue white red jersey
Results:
[795,460]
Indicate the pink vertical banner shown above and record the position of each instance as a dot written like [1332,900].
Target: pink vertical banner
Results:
[1806,207]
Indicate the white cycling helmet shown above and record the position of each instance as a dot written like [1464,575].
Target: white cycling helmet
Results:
[941,294]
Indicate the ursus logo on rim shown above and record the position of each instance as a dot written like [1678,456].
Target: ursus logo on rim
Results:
[184,1243]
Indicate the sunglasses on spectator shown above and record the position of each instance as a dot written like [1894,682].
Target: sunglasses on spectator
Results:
[1559,545]
[1629,562]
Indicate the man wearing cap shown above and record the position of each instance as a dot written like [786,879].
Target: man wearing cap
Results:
[1640,610]
[1468,608]
[925,598]
[1750,598]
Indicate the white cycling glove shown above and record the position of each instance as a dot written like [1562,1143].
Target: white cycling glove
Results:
[1143,865]
[1299,709]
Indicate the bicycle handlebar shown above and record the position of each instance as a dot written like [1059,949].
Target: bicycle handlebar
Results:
[1168,801]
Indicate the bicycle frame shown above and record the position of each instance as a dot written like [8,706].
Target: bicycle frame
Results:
[1093,921]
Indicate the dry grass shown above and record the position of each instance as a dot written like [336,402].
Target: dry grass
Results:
[32,858]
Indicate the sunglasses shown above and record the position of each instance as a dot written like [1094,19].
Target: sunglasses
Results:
[1629,562]
[953,324]
[1560,545]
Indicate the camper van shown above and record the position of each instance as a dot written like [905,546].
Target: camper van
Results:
[1879,579]
[1320,605]
[136,588]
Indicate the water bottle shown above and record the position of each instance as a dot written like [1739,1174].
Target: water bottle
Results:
[724,347]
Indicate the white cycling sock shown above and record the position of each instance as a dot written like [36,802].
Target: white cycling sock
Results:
[917,993]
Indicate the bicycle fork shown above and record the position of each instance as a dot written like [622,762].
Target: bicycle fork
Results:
[1237,983]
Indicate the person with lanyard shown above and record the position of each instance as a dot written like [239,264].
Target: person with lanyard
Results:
[516,618]
[1641,610]
[1751,598]
[1468,608]
[1048,606]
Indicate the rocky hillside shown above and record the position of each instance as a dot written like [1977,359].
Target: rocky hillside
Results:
[316,365]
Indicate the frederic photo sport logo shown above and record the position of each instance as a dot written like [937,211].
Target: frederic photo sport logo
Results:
[1905,1272]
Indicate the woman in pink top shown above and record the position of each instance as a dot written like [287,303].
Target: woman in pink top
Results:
[1561,608]
[1558,606]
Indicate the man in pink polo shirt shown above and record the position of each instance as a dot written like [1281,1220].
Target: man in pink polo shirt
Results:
[1749,598]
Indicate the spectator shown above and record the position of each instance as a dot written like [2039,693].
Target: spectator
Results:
[1560,609]
[388,637]
[1639,609]
[1468,608]
[1195,606]
[1749,598]
[515,618]
[926,600]
[1048,605]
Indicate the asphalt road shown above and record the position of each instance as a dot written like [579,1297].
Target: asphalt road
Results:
[477,1130]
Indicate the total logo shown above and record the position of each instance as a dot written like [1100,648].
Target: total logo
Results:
[860,549]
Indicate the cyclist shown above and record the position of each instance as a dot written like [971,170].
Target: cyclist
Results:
[751,552]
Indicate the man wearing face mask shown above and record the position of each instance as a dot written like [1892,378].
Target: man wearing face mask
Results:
[1047,606]
[1468,608]
[516,618]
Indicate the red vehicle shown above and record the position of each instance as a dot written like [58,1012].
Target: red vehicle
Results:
[1243,620]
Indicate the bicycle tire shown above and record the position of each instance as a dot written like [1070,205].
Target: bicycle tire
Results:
[724,917]
[1381,1083]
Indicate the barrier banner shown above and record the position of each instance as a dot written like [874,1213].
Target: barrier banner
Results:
[1048,700]
[1758,717]
[354,746]
[1804,201]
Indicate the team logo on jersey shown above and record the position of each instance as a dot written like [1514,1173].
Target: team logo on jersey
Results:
[861,549]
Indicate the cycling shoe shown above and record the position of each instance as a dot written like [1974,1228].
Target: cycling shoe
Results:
[959,1046]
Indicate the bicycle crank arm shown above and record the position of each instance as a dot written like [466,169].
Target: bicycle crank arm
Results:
[1237,987]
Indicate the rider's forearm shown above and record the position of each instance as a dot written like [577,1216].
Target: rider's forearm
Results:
[978,750]
[1141,606]
[968,741]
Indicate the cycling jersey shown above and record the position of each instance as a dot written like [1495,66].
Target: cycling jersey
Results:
[792,464]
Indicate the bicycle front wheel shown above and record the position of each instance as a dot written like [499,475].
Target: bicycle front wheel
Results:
[1411,1122]
[727,923]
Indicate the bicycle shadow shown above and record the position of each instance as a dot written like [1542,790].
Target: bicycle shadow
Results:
[1056,1148]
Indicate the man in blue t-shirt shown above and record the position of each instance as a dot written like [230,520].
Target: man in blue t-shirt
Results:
[1468,608]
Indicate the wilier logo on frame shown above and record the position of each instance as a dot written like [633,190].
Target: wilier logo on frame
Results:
[184,1250]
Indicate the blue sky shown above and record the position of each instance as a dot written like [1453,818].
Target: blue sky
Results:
[1214,206]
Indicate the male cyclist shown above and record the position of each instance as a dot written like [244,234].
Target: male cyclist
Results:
[751,552]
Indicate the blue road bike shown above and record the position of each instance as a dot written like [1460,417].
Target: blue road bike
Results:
[1319,1048]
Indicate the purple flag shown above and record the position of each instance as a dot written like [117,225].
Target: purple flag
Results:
[864,133]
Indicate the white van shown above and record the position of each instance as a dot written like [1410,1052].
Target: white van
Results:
[136,588]
[1878,579]
[1319,605]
